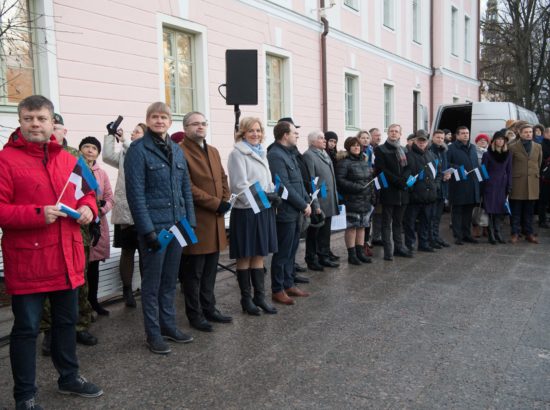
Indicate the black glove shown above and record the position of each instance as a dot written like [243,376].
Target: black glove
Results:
[95,232]
[223,208]
[275,199]
[110,129]
[152,242]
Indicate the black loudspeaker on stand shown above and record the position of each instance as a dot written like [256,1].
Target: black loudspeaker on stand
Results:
[241,79]
[241,84]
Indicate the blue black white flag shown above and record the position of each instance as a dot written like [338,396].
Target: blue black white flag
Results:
[280,189]
[183,232]
[257,198]
[83,179]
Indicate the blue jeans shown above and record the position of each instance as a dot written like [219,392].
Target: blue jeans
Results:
[282,262]
[27,312]
[158,288]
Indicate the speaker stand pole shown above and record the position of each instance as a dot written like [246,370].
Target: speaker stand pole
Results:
[237,112]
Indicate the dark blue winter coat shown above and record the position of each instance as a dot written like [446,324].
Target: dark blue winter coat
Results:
[463,192]
[158,190]
[440,152]
[282,162]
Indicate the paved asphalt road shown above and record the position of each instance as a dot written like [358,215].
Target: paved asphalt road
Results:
[467,327]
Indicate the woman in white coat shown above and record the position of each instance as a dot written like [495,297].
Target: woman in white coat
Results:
[125,232]
[251,236]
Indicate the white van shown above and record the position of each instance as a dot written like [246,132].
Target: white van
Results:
[481,117]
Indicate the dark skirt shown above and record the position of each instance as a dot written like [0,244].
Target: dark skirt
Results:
[252,234]
[126,238]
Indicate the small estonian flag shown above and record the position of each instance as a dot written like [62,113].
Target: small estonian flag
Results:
[432,168]
[380,181]
[83,179]
[323,190]
[411,180]
[183,232]
[314,183]
[463,174]
[484,172]
[421,175]
[280,189]
[257,198]
[507,206]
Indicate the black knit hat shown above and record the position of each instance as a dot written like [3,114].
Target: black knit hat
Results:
[331,135]
[90,140]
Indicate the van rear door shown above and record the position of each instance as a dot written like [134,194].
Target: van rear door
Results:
[453,116]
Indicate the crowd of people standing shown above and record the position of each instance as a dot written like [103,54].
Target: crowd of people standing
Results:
[171,197]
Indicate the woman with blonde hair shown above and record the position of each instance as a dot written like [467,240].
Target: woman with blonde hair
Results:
[251,236]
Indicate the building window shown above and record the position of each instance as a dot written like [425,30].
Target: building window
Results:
[388,13]
[352,101]
[456,100]
[467,42]
[17,59]
[179,75]
[352,4]
[416,21]
[388,105]
[454,31]
[275,87]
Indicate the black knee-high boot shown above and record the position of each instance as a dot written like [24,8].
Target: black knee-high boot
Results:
[93,285]
[491,229]
[257,277]
[243,277]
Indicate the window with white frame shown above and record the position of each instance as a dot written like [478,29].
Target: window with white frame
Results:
[179,70]
[353,4]
[456,100]
[467,41]
[388,17]
[275,87]
[417,23]
[388,105]
[454,31]
[17,58]
[352,101]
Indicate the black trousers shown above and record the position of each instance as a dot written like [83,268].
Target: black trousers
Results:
[198,277]
[544,201]
[392,226]
[461,218]
[318,242]
[522,216]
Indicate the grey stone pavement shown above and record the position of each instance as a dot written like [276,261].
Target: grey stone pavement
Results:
[467,327]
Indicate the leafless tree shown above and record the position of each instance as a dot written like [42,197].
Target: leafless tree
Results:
[515,54]
[17,48]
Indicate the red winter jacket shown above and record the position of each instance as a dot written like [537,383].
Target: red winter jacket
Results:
[39,257]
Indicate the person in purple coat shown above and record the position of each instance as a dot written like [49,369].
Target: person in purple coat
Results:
[496,189]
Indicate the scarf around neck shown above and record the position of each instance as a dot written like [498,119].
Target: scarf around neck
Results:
[258,149]
[399,152]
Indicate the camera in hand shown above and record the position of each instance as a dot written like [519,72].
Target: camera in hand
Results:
[112,127]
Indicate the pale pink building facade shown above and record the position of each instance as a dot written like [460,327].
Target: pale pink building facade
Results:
[385,61]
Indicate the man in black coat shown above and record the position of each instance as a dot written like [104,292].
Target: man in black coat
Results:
[423,193]
[463,194]
[283,163]
[390,158]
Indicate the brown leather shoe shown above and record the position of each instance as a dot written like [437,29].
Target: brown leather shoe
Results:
[282,297]
[531,239]
[514,239]
[294,291]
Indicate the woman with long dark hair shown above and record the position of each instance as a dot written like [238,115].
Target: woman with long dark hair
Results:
[496,189]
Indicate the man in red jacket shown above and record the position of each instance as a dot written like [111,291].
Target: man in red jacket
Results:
[42,249]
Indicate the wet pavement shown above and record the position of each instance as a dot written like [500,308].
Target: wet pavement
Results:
[467,327]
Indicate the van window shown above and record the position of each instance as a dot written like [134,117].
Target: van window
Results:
[453,116]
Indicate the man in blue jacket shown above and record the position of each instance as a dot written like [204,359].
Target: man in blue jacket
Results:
[463,194]
[158,189]
[283,162]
